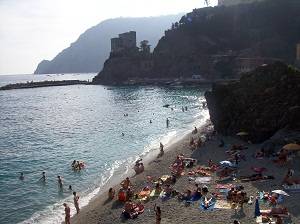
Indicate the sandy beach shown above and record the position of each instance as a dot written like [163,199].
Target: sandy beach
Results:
[103,211]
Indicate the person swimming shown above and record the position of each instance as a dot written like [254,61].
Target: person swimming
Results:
[150,122]
[70,188]
[21,176]
[59,180]
[43,178]
[167,122]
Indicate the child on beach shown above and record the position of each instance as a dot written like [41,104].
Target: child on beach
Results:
[111,193]
[157,214]
[76,202]
[67,214]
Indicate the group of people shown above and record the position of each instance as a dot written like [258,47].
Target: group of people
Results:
[139,166]
[68,210]
[77,165]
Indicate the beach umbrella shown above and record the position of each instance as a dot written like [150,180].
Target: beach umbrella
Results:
[242,133]
[280,192]
[257,210]
[227,163]
[291,147]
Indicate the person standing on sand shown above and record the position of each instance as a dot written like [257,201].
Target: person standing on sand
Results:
[157,214]
[76,202]
[67,214]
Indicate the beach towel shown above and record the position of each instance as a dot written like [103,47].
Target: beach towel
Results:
[224,186]
[210,207]
[259,220]
[203,180]
[163,196]
[222,204]
[165,177]
[144,195]
[155,193]
[295,188]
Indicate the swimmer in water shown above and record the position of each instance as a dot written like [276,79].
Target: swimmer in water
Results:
[167,122]
[43,178]
[70,187]
[123,134]
[59,180]
[21,176]
[150,121]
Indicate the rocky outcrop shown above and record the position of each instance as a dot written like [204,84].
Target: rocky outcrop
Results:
[215,41]
[261,103]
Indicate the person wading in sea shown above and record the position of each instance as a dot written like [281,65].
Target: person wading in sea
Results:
[76,202]
[67,214]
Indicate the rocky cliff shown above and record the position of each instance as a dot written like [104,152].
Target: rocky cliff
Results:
[89,52]
[261,103]
[210,41]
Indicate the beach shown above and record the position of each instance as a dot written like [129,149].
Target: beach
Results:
[104,211]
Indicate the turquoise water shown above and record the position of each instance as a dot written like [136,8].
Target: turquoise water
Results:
[45,129]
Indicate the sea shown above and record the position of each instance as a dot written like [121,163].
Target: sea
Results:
[45,129]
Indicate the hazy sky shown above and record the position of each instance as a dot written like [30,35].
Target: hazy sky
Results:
[32,30]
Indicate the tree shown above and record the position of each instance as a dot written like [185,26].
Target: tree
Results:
[144,46]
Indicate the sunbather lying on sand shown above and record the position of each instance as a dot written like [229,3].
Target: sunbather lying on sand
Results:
[276,211]
[185,196]
[132,210]
[225,172]
[288,178]
[255,177]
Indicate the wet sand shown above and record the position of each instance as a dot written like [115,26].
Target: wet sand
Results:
[103,211]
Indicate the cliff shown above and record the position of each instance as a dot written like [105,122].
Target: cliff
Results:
[220,42]
[261,103]
[88,53]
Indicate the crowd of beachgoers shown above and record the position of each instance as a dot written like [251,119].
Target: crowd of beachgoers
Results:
[211,185]
[219,175]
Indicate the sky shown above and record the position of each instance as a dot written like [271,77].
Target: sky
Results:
[33,30]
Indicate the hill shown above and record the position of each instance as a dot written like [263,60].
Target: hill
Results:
[88,53]
[217,42]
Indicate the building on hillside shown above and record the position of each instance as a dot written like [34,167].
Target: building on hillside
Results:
[243,65]
[125,41]
[235,2]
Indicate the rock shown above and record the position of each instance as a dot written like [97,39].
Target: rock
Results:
[261,103]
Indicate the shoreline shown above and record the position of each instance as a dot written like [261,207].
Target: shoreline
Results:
[100,210]
[149,160]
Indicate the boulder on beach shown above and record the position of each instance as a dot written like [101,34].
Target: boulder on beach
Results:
[262,102]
